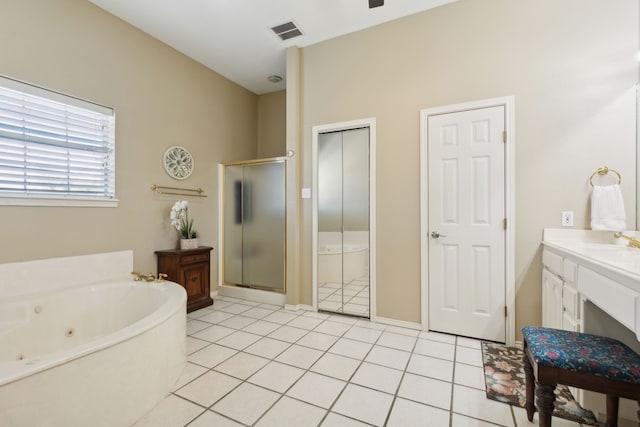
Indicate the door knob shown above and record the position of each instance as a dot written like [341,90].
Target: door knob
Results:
[437,235]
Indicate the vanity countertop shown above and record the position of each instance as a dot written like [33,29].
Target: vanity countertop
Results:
[598,250]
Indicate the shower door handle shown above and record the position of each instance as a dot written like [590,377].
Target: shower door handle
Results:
[437,235]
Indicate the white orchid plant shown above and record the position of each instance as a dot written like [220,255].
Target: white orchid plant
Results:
[180,220]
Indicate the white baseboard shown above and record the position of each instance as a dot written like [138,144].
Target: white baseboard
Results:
[400,323]
[296,307]
[255,295]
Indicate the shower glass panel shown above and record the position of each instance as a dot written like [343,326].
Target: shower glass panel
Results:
[343,222]
[263,243]
[254,225]
[233,224]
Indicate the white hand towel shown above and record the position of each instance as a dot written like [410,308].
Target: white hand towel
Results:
[607,208]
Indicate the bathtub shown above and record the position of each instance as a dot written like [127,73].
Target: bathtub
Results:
[338,263]
[100,354]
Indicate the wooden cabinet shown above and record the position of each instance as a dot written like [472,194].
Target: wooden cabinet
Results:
[190,268]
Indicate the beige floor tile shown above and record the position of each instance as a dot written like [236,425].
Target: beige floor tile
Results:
[435,349]
[377,377]
[170,412]
[276,376]
[364,404]
[336,420]
[351,348]
[426,390]
[474,403]
[385,356]
[241,365]
[406,413]
[208,388]
[431,367]
[297,355]
[210,419]
[246,403]
[211,355]
[291,412]
[336,366]
[316,389]
[267,347]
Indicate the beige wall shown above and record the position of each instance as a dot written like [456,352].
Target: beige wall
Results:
[161,98]
[272,124]
[571,67]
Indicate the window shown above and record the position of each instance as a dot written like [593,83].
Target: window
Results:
[54,149]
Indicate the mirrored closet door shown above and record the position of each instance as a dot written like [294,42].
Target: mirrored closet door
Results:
[343,222]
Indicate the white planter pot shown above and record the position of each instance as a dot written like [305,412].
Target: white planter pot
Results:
[189,243]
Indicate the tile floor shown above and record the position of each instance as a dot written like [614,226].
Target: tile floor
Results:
[258,364]
[352,298]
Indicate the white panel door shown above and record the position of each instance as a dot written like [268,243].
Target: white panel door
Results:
[466,196]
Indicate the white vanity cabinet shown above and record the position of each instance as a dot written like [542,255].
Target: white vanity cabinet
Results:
[560,297]
[551,300]
[591,283]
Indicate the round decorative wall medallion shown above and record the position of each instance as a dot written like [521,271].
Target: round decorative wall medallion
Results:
[178,162]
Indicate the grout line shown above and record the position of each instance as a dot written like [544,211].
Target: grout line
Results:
[330,318]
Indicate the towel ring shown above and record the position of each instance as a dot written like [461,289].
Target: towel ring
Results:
[603,171]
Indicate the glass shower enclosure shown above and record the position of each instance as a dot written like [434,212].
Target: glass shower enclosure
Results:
[254,223]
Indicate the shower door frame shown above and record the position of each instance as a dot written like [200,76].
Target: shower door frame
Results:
[339,127]
[221,234]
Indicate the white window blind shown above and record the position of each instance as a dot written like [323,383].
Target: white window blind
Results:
[54,146]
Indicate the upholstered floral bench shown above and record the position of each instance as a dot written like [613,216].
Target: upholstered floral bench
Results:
[589,362]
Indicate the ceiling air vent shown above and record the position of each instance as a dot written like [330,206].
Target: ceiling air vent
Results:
[287,31]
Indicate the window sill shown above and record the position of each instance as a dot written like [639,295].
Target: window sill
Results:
[14,200]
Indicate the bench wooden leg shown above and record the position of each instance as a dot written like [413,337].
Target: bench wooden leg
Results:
[545,398]
[612,410]
[530,387]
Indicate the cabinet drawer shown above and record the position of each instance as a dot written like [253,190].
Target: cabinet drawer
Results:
[570,301]
[552,261]
[569,271]
[615,299]
[192,259]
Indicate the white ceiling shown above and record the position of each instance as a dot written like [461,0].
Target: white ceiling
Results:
[234,37]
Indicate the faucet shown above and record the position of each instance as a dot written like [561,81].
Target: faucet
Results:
[139,277]
[149,277]
[633,242]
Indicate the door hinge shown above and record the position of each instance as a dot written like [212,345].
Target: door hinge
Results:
[504,224]
[504,136]
[505,311]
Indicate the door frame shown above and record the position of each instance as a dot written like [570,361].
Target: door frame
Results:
[336,127]
[509,174]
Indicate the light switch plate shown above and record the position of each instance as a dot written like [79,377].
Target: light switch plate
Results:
[306,193]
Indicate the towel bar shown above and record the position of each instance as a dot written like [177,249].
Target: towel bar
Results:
[603,171]
[196,192]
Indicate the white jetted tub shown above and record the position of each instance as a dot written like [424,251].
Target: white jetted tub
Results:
[342,263]
[100,353]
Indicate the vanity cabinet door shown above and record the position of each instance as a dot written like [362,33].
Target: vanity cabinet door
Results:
[195,280]
[569,323]
[190,268]
[551,300]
